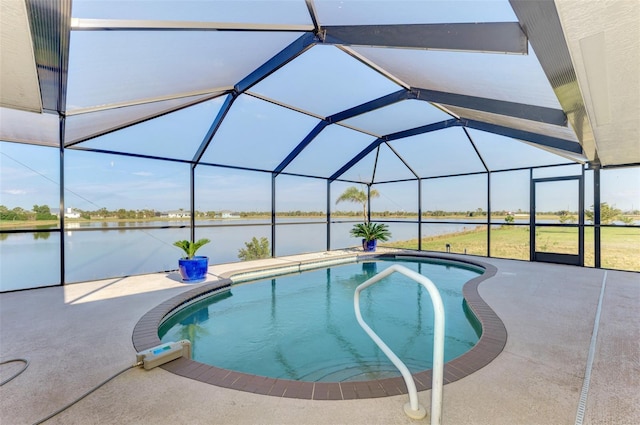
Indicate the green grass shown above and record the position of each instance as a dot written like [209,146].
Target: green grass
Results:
[620,246]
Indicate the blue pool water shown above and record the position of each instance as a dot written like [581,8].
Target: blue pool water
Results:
[303,326]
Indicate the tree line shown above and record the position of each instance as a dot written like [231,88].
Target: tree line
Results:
[608,214]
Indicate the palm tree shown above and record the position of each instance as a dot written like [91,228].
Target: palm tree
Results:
[353,194]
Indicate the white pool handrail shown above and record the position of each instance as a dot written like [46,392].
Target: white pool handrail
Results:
[413,409]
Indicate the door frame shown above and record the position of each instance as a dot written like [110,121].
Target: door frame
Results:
[550,257]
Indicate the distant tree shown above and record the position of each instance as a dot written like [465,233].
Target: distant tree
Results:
[509,218]
[43,212]
[566,217]
[607,213]
[14,214]
[628,221]
[358,196]
[255,249]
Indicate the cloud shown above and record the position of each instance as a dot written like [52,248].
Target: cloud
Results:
[15,192]
[143,173]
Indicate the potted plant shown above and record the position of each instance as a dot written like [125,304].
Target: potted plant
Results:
[371,233]
[193,268]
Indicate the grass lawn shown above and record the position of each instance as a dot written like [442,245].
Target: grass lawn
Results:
[620,246]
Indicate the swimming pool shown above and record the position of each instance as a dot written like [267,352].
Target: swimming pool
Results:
[302,326]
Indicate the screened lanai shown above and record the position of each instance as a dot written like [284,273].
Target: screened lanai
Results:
[139,123]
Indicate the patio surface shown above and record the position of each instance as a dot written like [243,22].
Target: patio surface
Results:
[77,336]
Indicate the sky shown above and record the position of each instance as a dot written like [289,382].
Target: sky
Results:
[259,134]
[29,175]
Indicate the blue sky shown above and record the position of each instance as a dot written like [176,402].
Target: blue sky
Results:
[259,134]
[29,175]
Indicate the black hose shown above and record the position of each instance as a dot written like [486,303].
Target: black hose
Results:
[26,365]
[84,395]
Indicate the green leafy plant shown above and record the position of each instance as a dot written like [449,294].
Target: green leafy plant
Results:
[566,217]
[626,220]
[255,249]
[190,248]
[608,213]
[370,231]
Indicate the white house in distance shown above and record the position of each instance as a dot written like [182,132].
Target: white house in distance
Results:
[68,212]
[71,213]
[229,214]
[178,214]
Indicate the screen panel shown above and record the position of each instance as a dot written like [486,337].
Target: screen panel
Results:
[29,260]
[512,78]
[111,187]
[176,135]
[300,199]
[158,61]
[342,83]
[273,133]
[439,153]
[29,186]
[228,193]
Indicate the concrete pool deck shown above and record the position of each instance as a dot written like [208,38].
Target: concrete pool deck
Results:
[77,336]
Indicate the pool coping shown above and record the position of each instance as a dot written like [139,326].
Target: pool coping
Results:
[489,346]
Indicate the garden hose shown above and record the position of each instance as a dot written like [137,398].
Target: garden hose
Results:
[26,365]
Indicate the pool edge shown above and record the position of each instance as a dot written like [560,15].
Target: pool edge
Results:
[488,347]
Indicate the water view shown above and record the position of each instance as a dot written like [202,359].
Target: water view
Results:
[32,259]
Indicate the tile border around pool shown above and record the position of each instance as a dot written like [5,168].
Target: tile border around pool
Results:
[491,343]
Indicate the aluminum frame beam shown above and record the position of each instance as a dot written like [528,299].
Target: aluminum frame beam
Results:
[496,37]
[500,107]
[51,32]
[215,125]
[286,55]
[303,144]
[423,129]
[380,102]
[85,24]
[542,23]
[391,137]
[539,139]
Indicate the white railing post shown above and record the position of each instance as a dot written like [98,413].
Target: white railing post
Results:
[413,409]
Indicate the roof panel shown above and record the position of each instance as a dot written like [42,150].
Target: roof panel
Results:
[176,135]
[282,11]
[272,133]
[329,151]
[439,153]
[29,127]
[500,153]
[134,65]
[362,171]
[331,12]
[324,81]
[87,125]
[20,86]
[513,78]
[397,117]
[390,167]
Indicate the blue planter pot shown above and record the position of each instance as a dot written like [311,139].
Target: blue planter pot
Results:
[193,270]
[369,246]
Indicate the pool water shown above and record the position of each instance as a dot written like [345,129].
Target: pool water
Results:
[303,326]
